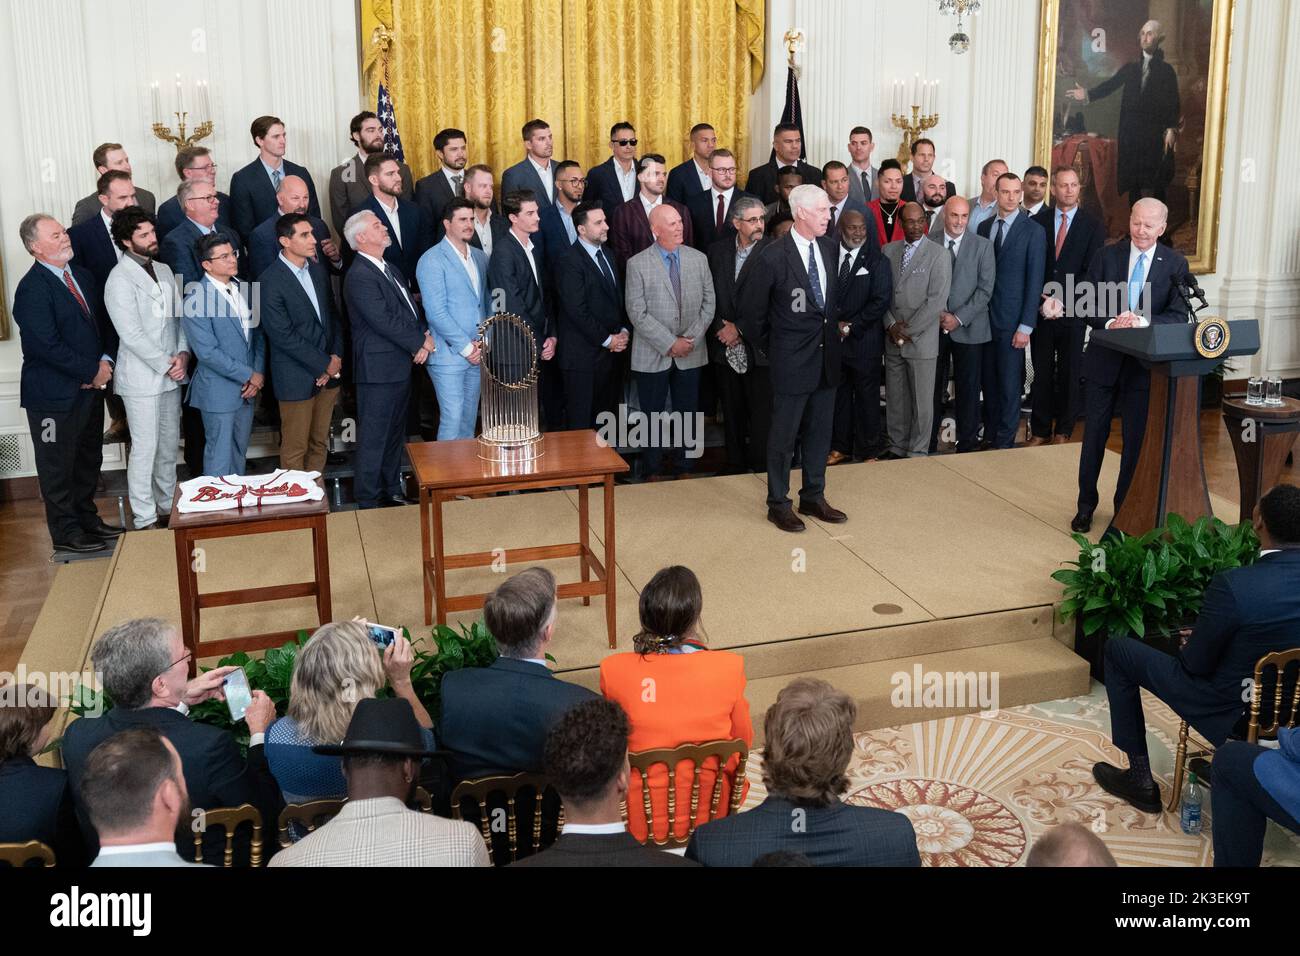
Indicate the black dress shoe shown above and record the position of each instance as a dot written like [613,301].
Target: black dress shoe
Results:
[104,530]
[785,519]
[889,456]
[1081,522]
[396,501]
[1118,783]
[822,512]
[81,543]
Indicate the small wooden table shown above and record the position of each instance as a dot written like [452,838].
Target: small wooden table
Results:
[196,526]
[1259,459]
[446,469]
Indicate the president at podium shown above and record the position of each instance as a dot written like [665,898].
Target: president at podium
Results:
[1146,275]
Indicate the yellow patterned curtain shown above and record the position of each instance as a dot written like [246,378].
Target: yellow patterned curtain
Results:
[488,66]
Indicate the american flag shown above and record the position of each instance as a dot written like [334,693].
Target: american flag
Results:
[388,120]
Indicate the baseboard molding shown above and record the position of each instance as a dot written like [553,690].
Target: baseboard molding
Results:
[19,489]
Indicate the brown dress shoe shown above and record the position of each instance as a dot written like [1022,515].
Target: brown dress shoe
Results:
[1035,440]
[822,512]
[835,457]
[785,519]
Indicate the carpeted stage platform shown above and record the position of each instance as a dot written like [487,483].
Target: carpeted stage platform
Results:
[944,562]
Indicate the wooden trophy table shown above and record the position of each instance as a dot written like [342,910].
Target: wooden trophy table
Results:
[197,526]
[1260,455]
[447,469]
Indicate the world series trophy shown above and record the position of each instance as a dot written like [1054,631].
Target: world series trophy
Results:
[508,397]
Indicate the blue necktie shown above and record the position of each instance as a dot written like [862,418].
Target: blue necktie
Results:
[675,277]
[1135,283]
[814,277]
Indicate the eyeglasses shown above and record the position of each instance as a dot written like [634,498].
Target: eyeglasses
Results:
[224,255]
[212,198]
[750,220]
[624,142]
[725,170]
[184,657]
[575,180]
[203,169]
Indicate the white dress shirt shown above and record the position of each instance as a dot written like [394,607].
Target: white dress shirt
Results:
[1033,210]
[1133,253]
[713,201]
[236,302]
[394,220]
[467,261]
[484,232]
[382,266]
[528,251]
[594,829]
[451,175]
[706,178]
[802,245]
[108,225]
[649,206]
[547,175]
[626,179]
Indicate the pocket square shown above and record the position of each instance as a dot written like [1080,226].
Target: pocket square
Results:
[863,271]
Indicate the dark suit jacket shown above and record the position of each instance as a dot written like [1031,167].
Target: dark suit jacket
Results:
[93,250]
[1110,265]
[89,206]
[722,266]
[415,235]
[603,186]
[909,188]
[36,804]
[61,344]
[252,197]
[554,237]
[495,719]
[299,343]
[170,215]
[629,229]
[385,331]
[432,193]
[838,835]
[779,314]
[510,274]
[588,309]
[762,179]
[349,188]
[1083,241]
[1144,115]
[704,215]
[177,251]
[1017,292]
[522,175]
[863,302]
[684,182]
[264,247]
[602,850]
[215,773]
[498,224]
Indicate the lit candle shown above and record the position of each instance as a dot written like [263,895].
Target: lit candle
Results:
[180,104]
[205,105]
[934,99]
[153,97]
[916,90]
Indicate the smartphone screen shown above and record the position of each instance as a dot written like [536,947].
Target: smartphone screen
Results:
[381,635]
[238,694]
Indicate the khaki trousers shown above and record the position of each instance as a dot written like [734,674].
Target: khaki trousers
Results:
[305,429]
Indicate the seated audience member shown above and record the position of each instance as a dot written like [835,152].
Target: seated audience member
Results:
[586,760]
[381,760]
[1070,844]
[35,802]
[144,667]
[1253,785]
[339,666]
[133,789]
[809,742]
[698,696]
[783,858]
[1247,612]
[495,719]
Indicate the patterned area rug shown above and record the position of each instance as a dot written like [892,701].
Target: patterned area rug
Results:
[981,789]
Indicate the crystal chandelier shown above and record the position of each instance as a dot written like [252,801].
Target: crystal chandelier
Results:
[959,42]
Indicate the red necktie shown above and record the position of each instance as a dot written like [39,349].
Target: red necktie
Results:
[1060,234]
[718,224]
[72,287]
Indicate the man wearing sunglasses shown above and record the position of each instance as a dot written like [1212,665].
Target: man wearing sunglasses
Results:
[613,182]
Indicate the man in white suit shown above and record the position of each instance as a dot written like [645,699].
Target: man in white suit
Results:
[141,298]
[670,305]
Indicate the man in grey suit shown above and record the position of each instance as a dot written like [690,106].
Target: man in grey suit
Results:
[535,171]
[862,175]
[110,156]
[133,789]
[670,303]
[152,360]
[348,186]
[964,323]
[922,275]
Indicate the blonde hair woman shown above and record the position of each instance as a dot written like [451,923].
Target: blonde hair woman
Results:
[338,666]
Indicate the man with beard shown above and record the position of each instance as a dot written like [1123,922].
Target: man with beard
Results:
[405,221]
[488,223]
[263,245]
[152,361]
[1035,188]
[441,186]
[934,193]
[558,232]
[923,156]
[348,188]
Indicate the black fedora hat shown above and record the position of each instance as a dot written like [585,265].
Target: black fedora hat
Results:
[385,727]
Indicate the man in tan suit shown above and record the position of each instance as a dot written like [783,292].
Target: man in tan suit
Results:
[922,273]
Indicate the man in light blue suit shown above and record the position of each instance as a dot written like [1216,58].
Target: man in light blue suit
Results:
[231,356]
[454,291]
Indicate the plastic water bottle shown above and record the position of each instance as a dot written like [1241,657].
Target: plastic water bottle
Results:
[1191,815]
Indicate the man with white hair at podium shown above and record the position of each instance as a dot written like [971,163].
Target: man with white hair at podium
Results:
[1148,274]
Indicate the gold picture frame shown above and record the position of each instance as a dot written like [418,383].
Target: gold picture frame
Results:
[1195,186]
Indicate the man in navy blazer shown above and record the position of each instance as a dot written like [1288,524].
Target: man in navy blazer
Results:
[388,337]
[178,249]
[1247,612]
[434,191]
[67,364]
[803,812]
[591,324]
[252,189]
[495,719]
[264,244]
[1013,309]
[1057,344]
[692,176]
[1148,272]
[558,231]
[305,341]
[192,162]
[613,182]
[535,171]
[707,224]
[403,217]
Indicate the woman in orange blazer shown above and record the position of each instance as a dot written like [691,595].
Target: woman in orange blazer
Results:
[676,691]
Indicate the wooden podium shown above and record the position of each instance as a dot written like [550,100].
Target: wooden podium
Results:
[1170,473]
